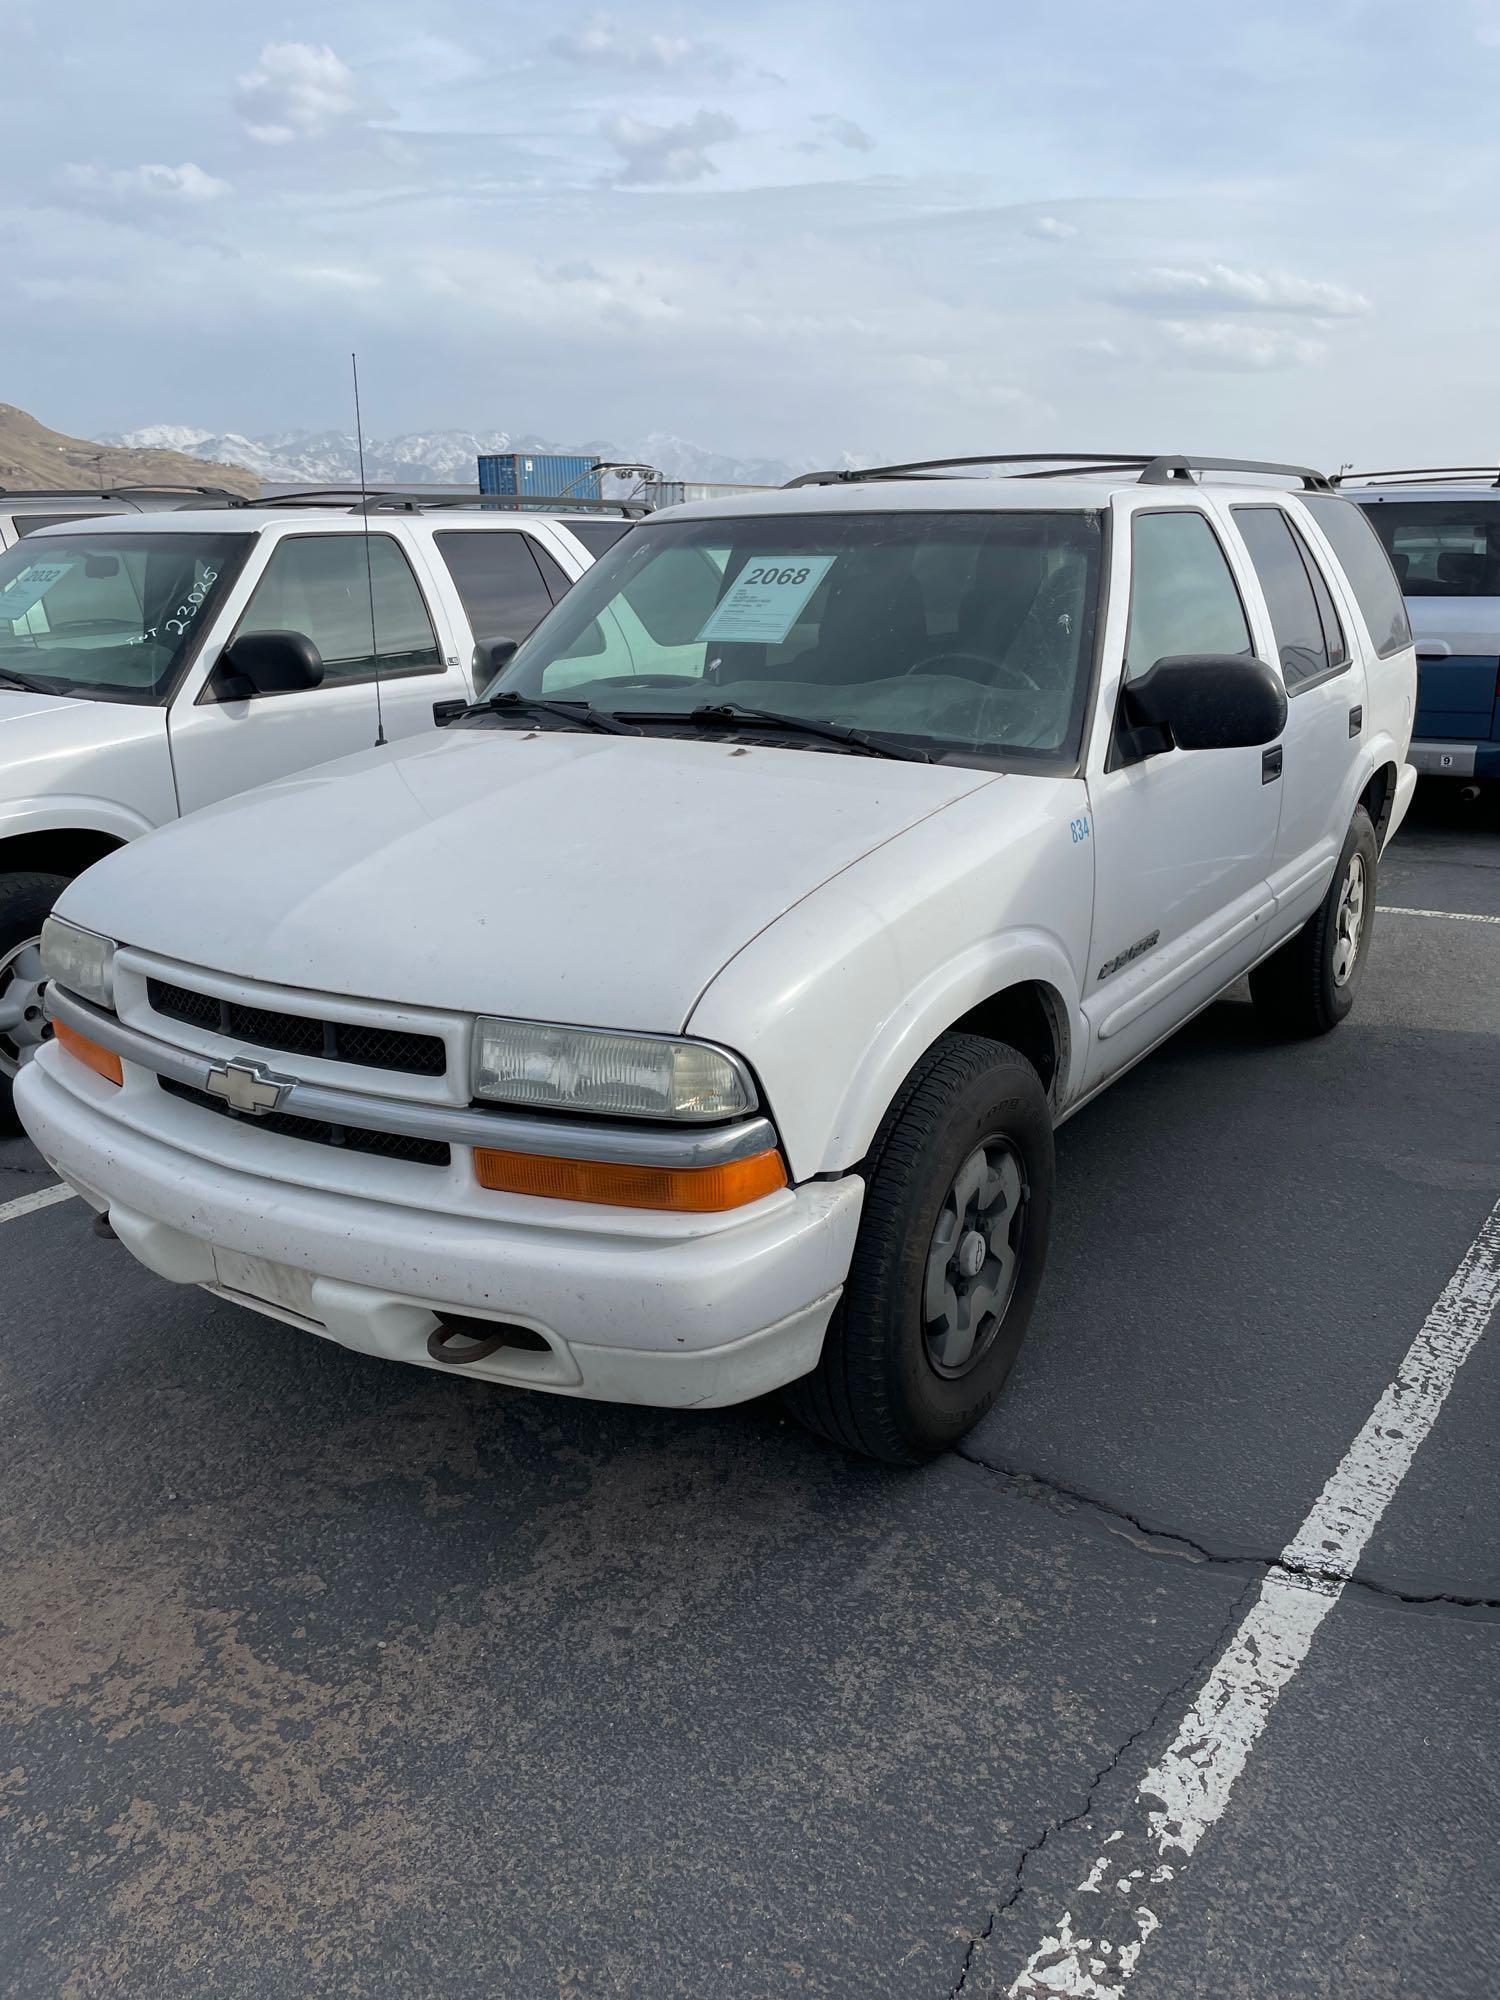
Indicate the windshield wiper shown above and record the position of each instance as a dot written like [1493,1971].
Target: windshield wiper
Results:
[11,679]
[577,712]
[726,714]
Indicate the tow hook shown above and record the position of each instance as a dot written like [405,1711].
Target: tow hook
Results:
[459,1340]
[101,1227]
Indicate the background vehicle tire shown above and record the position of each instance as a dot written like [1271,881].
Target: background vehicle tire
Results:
[1308,986]
[25,902]
[949,1256]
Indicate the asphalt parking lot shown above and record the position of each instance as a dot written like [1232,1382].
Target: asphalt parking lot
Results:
[324,1676]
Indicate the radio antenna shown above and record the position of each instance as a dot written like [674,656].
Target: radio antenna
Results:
[364,508]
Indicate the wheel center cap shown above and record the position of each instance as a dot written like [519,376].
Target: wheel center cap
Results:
[972,1251]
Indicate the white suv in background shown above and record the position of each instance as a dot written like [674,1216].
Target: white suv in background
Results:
[682,1026]
[26,510]
[154,661]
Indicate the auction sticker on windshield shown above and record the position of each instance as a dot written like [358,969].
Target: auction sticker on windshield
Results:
[29,588]
[764,604]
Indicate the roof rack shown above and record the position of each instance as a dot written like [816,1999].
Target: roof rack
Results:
[510,503]
[111,492]
[420,499]
[1424,474]
[920,466]
[1154,470]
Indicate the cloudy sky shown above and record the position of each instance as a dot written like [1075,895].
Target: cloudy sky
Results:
[789,228]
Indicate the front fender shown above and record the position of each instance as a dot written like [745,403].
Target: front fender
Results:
[62,812]
[953,990]
[835,1001]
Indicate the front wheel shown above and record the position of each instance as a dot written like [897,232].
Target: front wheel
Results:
[1309,985]
[25,904]
[949,1256]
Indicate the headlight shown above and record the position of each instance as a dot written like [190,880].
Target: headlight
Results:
[617,1076]
[80,960]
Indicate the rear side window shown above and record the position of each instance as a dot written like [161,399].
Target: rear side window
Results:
[1183,596]
[495,574]
[597,536]
[1289,578]
[1366,566]
[1441,548]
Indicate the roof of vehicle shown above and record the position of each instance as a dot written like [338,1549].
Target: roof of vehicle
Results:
[1426,486]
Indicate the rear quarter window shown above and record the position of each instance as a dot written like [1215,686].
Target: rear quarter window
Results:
[597,536]
[1441,548]
[1367,569]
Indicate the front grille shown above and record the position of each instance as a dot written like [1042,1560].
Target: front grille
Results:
[301,1034]
[352,1139]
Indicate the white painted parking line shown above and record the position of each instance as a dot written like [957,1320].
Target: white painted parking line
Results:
[1453,916]
[1181,1797]
[27,1204]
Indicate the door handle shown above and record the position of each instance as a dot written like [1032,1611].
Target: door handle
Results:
[1356,720]
[1270,764]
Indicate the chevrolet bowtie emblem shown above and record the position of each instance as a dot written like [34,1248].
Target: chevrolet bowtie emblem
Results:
[247,1087]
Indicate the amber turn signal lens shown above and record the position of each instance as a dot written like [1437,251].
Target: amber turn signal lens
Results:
[104,1062]
[689,1190]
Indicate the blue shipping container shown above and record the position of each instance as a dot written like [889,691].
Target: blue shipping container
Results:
[540,475]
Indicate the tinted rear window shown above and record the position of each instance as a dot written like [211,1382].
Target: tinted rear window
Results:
[1366,566]
[497,577]
[597,536]
[1441,548]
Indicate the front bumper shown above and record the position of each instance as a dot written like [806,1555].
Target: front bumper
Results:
[634,1307]
[1455,760]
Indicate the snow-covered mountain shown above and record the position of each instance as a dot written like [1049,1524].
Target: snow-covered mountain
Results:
[447,457]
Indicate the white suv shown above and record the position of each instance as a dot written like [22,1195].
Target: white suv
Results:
[677,1031]
[152,662]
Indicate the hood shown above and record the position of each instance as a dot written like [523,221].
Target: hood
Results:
[16,703]
[556,876]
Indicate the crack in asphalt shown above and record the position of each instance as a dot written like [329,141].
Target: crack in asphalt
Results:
[1167,1541]
[1106,1770]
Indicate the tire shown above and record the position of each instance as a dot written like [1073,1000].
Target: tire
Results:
[1309,985]
[881,1387]
[25,902]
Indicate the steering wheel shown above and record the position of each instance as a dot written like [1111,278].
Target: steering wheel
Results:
[990,666]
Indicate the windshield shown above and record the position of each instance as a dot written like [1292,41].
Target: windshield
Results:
[1441,548]
[957,634]
[109,614]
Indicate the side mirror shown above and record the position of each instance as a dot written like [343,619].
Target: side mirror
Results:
[267,663]
[491,656]
[1203,701]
